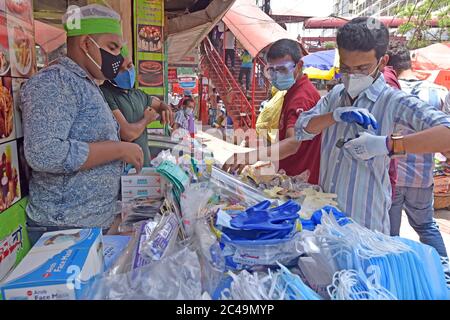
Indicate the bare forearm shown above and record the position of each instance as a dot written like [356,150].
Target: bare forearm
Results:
[279,151]
[102,153]
[317,124]
[433,140]
[133,131]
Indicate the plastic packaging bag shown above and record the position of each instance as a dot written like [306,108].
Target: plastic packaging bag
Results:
[160,241]
[177,277]
[165,155]
[253,255]
[194,199]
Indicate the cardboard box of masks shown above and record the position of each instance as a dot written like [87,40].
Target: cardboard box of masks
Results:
[147,184]
[58,267]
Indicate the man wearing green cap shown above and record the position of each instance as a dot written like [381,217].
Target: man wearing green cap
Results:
[72,140]
[132,108]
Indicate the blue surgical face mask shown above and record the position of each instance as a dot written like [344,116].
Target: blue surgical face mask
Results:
[284,81]
[126,79]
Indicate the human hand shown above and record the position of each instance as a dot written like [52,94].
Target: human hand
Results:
[237,162]
[165,112]
[355,115]
[132,154]
[150,115]
[367,146]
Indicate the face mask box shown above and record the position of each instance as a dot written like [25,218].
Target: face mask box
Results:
[58,267]
[147,184]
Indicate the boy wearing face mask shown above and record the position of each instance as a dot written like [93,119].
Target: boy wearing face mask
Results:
[71,138]
[133,108]
[185,119]
[357,123]
[284,70]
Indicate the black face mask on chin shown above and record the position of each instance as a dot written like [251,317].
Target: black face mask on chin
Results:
[110,63]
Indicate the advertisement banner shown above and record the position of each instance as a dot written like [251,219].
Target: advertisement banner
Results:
[14,242]
[149,46]
[173,75]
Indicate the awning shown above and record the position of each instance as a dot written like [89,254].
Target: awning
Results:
[434,57]
[433,63]
[293,11]
[332,22]
[254,29]
[187,31]
[49,37]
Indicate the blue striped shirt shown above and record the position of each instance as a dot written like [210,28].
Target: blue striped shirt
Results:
[363,187]
[416,171]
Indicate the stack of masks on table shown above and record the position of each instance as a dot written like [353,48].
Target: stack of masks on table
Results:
[278,285]
[371,265]
[176,176]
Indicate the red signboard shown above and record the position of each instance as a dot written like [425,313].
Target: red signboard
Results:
[173,75]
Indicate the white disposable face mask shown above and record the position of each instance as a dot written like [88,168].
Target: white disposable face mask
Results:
[356,83]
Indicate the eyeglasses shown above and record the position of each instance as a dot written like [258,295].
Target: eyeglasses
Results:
[271,70]
[366,70]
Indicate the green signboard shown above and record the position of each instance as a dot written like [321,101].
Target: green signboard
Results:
[149,46]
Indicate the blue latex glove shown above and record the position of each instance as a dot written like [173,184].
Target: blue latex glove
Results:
[367,146]
[355,115]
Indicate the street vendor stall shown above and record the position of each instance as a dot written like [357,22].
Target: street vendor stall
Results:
[205,234]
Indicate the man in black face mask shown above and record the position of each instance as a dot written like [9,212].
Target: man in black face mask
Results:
[72,140]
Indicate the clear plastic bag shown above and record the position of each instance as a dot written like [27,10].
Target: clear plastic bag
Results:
[177,277]
[160,241]
[193,200]
[257,254]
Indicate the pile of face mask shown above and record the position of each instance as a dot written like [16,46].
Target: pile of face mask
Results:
[351,285]
[407,269]
[280,285]
[176,176]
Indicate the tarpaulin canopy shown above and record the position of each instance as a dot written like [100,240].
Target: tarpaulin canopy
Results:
[293,11]
[434,57]
[254,29]
[334,22]
[187,31]
[433,63]
[49,37]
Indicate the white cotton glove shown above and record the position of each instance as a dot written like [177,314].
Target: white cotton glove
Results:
[360,116]
[367,146]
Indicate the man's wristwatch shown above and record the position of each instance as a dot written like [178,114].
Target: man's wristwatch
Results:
[398,148]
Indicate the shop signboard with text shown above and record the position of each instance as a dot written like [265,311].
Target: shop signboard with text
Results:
[149,46]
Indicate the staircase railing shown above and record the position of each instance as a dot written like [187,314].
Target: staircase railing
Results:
[228,83]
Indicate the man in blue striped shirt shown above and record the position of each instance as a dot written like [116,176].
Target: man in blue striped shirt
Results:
[414,190]
[357,120]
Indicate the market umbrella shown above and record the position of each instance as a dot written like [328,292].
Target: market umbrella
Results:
[322,60]
[322,65]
